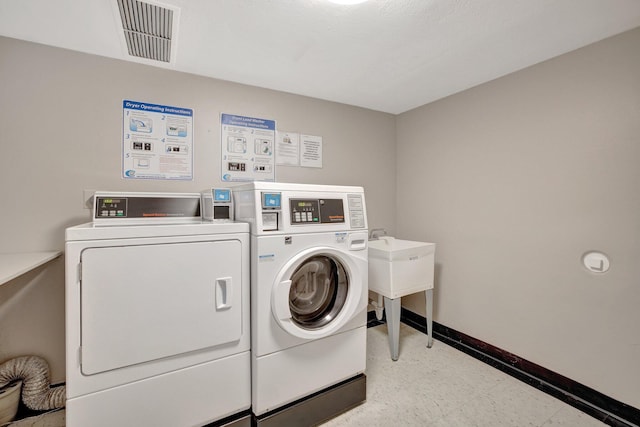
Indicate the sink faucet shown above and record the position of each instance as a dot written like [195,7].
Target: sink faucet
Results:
[376,233]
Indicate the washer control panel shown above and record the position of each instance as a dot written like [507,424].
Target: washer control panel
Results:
[286,208]
[316,211]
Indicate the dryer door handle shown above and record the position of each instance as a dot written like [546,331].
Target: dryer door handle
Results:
[281,300]
[224,293]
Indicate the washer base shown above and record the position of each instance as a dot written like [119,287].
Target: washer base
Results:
[319,407]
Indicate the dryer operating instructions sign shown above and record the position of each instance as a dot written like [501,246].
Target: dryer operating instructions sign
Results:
[157,141]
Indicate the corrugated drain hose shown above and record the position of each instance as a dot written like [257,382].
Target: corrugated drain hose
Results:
[34,373]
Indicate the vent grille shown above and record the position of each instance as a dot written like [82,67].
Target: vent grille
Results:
[147,29]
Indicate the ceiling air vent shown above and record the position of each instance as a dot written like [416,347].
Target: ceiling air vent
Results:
[148,29]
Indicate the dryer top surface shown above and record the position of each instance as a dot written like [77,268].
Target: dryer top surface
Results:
[89,231]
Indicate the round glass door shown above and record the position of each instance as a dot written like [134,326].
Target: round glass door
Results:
[318,291]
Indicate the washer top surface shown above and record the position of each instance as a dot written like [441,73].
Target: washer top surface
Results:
[89,231]
[287,186]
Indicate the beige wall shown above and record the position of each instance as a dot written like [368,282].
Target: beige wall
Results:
[60,133]
[515,180]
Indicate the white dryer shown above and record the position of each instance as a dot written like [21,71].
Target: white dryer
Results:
[309,270]
[157,315]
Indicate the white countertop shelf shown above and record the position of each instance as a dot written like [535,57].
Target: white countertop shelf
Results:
[13,265]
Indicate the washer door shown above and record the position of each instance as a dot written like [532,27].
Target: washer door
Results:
[317,293]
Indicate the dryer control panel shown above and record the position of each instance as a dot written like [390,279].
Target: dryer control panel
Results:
[122,208]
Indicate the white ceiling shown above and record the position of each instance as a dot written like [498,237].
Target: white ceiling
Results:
[385,55]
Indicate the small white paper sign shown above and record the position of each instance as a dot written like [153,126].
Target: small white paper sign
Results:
[288,148]
[311,151]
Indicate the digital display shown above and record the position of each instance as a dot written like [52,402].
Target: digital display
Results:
[271,200]
[221,195]
[110,207]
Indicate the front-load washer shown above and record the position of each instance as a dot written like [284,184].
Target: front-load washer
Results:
[157,315]
[309,272]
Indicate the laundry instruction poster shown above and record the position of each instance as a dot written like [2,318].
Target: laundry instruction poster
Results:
[157,141]
[247,145]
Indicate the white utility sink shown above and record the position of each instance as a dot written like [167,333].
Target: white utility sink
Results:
[398,268]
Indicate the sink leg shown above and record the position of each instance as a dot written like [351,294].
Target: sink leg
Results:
[379,307]
[392,307]
[429,299]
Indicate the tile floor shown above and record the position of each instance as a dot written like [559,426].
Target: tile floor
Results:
[434,387]
[442,386]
